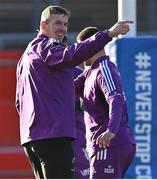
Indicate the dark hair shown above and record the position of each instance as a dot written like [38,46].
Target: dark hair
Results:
[86,33]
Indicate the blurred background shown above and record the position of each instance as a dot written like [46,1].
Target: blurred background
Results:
[19,19]
[19,22]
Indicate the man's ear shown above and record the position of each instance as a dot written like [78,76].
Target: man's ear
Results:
[43,26]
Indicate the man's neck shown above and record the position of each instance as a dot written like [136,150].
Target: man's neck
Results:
[97,56]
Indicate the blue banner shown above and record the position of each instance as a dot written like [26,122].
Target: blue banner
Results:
[137,63]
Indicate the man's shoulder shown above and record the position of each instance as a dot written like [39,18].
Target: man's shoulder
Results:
[41,43]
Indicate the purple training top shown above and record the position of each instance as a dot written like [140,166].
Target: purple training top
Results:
[45,92]
[104,102]
[79,145]
[80,124]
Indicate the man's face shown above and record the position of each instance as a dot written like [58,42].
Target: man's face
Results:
[57,26]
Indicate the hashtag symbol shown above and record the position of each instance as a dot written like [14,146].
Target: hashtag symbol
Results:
[142,60]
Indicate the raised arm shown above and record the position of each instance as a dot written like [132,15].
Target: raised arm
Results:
[57,56]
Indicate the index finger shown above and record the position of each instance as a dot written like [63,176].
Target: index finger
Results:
[126,21]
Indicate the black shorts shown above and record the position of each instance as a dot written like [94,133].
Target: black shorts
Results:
[51,158]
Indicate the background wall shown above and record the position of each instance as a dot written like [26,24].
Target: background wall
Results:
[19,19]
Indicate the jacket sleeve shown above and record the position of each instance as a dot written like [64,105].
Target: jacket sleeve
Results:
[17,101]
[110,84]
[79,84]
[19,85]
[58,56]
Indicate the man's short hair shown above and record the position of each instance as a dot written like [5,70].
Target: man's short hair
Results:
[86,33]
[47,12]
